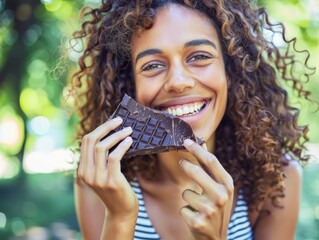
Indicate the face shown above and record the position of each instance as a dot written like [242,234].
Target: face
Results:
[178,68]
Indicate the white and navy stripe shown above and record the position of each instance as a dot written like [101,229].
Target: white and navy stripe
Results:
[239,226]
[144,229]
[238,229]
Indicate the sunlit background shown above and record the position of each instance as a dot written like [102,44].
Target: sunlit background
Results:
[37,126]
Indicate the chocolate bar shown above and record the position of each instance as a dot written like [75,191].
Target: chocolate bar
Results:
[153,131]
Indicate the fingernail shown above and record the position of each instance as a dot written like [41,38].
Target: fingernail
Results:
[117,119]
[188,142]
[180,161]
[127,129]
[128,140]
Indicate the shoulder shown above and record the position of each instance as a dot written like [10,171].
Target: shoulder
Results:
[292,169]
[270,226]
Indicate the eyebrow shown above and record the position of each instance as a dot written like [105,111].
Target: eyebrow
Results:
[147,52]
[198,42]
[193,43]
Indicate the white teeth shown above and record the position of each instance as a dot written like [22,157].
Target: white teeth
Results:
[179,112]
[186,109]
[174,112]
[197,107]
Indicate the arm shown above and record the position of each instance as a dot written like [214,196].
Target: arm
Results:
[91,216]
[90,210]
[282,222]
[107,206]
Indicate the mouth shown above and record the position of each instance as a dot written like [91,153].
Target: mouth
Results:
[185,110]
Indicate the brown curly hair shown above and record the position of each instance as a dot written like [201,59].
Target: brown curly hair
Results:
[259,131]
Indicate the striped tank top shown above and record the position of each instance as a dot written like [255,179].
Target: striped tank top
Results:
[238,229]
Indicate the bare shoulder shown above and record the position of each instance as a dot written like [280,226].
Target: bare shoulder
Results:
[292,169]
[271,226]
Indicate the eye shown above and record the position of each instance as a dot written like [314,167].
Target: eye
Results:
[152,66]
[199,57]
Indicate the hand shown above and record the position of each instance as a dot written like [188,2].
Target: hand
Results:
[100,169]
[208,214]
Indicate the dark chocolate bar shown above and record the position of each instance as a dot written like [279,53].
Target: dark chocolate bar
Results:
[153,131]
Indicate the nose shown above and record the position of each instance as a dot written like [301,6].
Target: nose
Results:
[179,80]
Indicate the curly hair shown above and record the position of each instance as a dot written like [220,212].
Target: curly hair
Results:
[259,130]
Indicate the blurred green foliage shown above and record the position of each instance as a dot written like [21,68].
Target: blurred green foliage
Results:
[36,199]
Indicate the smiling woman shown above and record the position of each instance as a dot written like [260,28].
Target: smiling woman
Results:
[181,69]
[209,64]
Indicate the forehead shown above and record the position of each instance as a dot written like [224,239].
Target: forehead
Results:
[175,25]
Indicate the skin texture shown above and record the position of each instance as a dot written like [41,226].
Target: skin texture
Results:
[107,206]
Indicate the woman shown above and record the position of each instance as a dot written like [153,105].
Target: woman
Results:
[212,61]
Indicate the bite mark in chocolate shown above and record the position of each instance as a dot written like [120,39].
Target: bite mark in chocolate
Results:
[153,131]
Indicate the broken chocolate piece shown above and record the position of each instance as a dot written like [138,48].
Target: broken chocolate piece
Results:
[153,131]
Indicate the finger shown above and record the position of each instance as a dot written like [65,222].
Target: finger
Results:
[194,199]
[194,220]
[108,169]
[102,148]
[201,177]
[89,141]
[102,130]
[114,165]
[81,165]
[209,162]
[200,203]
[84,170]
[115,138]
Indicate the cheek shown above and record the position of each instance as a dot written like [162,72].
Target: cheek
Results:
[146,91]
[213,77]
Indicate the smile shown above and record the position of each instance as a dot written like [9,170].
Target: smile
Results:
[186,109]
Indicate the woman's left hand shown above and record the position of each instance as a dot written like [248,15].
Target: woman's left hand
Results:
[207,214]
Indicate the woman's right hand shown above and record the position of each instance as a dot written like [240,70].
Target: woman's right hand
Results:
[100,169]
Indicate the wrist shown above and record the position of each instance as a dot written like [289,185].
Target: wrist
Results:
[119,228]
[119,219]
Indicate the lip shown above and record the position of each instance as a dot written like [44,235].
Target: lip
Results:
[191,119]
[181,101]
